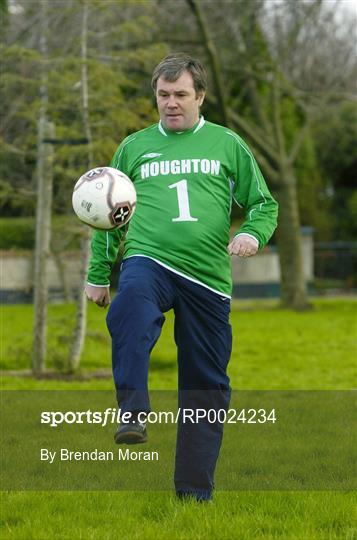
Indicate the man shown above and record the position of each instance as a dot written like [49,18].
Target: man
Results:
[186,172]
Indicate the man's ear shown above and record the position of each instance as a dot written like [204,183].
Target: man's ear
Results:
[201,97]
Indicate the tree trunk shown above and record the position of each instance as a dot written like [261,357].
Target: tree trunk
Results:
[43,209]
[293,286]
[81,317]
[42,245]
[81,314]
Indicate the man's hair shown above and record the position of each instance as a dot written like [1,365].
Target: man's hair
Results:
[172,67]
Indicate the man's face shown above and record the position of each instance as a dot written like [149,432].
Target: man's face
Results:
[177,102]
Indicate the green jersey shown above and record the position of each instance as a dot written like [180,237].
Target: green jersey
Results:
[185,183]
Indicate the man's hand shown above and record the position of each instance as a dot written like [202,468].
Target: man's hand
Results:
[98,295]
[243,245]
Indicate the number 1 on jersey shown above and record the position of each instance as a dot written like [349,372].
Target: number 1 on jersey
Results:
[183,203]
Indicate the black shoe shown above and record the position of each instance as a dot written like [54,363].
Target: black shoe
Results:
[133,432]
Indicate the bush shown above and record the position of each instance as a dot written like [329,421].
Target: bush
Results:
[19,233]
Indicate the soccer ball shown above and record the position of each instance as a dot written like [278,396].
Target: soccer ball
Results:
[104,198]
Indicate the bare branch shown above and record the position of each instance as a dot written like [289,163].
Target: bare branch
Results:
[268,169]
[252,131]
[213,58]
[278,129]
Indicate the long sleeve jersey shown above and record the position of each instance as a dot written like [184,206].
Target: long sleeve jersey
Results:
[185,184]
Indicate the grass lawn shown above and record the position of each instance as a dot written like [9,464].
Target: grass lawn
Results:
[273,349]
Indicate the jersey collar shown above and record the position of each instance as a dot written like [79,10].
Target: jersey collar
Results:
[194,129]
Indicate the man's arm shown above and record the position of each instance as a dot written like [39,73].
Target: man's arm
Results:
[104,251]
[105,246]
[261,209]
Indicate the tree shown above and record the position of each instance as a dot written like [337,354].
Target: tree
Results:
[81,318]
[119,105]
[43,211]
[122,46]
[271,102]
[271,148]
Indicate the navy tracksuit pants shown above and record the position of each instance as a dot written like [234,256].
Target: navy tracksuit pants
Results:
[203,338]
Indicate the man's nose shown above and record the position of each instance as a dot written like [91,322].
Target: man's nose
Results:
[172,101]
